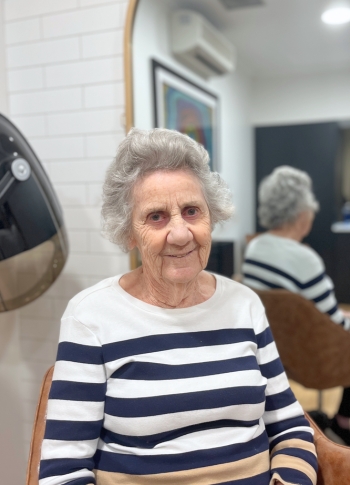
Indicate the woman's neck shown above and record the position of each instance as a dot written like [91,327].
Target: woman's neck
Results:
[298,228]
[287,232]
[165,294]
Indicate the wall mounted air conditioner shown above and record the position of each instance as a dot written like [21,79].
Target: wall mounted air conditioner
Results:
[199,45]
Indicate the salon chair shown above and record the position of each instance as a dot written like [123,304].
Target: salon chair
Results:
[314,350]
[333,459]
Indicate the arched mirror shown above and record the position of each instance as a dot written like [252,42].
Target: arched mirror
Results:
[290,70]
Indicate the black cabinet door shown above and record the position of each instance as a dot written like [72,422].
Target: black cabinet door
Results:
[313,148]
[342,267]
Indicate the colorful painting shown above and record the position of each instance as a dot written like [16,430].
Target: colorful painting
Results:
[183,106]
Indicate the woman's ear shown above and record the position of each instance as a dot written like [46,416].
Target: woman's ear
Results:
[305,220]
[132,241]
[131,244]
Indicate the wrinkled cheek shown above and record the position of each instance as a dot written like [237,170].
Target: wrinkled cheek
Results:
[204,254]
[150,258]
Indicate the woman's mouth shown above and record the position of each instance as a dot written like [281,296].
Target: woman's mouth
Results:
[183,255]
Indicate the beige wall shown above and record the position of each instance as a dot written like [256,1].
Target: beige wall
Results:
[301,99]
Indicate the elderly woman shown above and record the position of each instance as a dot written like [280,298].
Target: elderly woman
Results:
[277,259]
[169,374]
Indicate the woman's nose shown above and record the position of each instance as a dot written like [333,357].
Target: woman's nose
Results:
[179,234]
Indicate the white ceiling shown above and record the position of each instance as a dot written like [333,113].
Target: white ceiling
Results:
[283,37]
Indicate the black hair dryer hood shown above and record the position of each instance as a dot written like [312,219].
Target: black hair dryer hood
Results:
[33,240]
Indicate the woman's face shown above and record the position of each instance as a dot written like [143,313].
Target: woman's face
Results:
[171,226]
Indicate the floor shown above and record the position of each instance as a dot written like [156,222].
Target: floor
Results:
[309,398]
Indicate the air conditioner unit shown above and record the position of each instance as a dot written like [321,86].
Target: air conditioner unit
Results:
[199,45]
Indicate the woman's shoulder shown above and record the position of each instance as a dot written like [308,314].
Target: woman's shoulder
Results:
[309,258]
[89,296]
[239,292]
[277,250]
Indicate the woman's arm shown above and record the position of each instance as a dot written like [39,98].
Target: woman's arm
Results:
[319,288]
[292,452]
[75,408]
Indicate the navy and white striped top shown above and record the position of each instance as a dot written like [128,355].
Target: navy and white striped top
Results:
[279,262]
[143,395]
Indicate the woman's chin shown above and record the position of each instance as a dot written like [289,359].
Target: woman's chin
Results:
[180,274]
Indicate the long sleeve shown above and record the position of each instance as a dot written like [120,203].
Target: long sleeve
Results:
[292,452]
[75,408]
[320,290]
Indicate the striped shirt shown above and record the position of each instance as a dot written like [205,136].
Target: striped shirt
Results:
[279,262]
[143,395]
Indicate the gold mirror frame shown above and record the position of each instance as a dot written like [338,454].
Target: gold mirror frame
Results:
[128,83]
[128,77]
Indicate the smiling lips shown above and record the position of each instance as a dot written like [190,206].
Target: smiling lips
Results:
[179,255]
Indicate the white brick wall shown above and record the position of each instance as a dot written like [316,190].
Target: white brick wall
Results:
[66,94]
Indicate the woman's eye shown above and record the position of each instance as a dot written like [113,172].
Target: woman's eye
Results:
[190,211]
[156,217]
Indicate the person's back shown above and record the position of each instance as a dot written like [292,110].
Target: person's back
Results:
[273,261]
[278,259]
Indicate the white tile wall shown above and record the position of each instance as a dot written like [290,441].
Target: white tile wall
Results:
[102,145]
[65,79]
[85,72]
[82,217]
[25,79]
[96,121]
[83,21]
[98,244]
[105,44]
[103,95]
[17,9]
[38,53]
[54,148]
[71,194]
[47,101]
[78,241]
[87,3]
[97,264]
[79,171]
[23,31]
[31,125]
[94,194]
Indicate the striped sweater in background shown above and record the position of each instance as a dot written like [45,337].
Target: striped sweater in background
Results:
[143,395]
[279,262]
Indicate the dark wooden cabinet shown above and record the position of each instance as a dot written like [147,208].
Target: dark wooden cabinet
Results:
[342,266]
[221,258]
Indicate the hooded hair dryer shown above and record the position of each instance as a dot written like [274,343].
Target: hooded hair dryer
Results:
[33,240]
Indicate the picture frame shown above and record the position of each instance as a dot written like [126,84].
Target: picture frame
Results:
[180,104]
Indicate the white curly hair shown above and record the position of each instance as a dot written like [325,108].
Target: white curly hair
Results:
[146,151]
[283,195]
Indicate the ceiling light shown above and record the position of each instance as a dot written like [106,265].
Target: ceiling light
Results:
[336,16]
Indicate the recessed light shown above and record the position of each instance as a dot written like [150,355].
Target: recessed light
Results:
[336,16]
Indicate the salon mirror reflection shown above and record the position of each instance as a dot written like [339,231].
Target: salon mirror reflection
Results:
[285,99]
[274,82]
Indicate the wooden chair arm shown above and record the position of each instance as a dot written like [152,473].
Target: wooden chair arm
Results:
[38,431]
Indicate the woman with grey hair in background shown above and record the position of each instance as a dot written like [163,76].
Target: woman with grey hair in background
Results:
[278,259]
[169,374]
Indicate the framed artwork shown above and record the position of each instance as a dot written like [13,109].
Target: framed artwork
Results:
[181,105]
